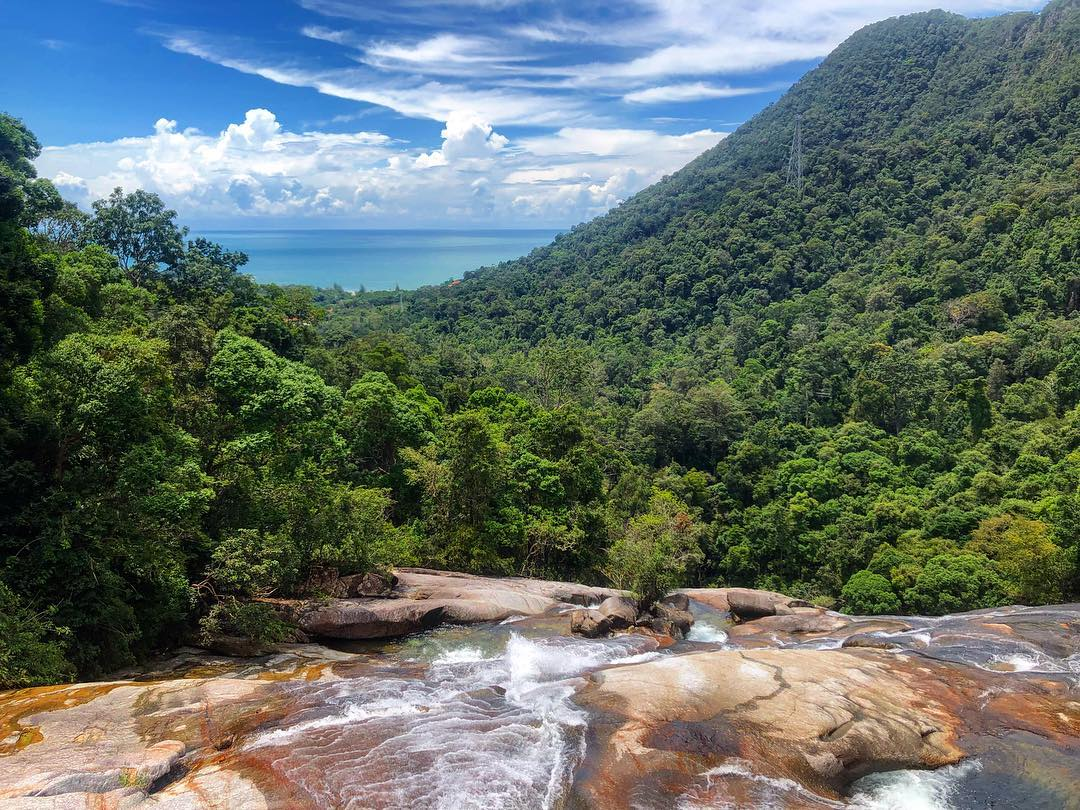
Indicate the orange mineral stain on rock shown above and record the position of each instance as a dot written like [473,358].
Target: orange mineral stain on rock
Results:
[20,703]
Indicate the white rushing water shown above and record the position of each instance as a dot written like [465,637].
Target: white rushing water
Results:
[482,717]
[893,790]
[481,728]
[912,790]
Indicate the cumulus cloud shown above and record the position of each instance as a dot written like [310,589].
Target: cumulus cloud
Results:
[465,137]
[257,169]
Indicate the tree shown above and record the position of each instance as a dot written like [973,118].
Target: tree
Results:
[657,550]
[867,593]
[954,582]
[140,231]
[715,420]
[32,648]
[122,498]
[379,419]
[18,149]
[1034,567]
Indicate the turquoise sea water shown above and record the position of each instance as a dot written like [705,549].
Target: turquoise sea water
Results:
[376,260]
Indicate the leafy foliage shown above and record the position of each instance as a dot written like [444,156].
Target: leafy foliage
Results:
[657,550]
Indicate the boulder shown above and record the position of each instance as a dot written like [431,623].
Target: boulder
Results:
[620,611]
[321,581]
[663,626]
[677,600]
[235,646]
[681,618]
[806,622]
[819,718]
[421,599]
[374,618]
[745,604]
[425,583]
[869,641]
[370,584]
[589,623]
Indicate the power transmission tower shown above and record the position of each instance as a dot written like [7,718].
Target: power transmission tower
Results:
[794,166]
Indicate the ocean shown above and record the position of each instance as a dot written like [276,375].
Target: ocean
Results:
[373,259]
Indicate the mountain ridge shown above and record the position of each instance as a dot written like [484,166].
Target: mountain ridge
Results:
[758,149]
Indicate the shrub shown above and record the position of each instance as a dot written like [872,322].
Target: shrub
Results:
[657,549]
[253,620]
[955,582]
[32,649]
[869,593]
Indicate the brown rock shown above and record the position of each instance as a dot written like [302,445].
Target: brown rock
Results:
[422,599]
[681,619]
[677,600]
[369,584]
[869,641]
[819,717]
[235,646]
[745,604]
[374,618]
[806,622]
[424,583]
[321,581]
[664,627]
[620,611]
[589,623]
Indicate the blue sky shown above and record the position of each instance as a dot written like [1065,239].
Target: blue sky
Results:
[403,113]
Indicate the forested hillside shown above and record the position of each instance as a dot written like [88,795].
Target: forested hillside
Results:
[882,370]
[865,392]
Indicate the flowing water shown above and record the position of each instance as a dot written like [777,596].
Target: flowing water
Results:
[482,717]
[456,718]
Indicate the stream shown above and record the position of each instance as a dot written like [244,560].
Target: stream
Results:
[481,717]
[519,713]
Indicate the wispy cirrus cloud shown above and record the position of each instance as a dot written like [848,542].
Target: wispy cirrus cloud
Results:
[691,91]
[528,62]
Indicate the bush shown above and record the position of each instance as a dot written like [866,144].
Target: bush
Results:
[869,593]
[32,649]
[657,549]
[954,582]
[253,620]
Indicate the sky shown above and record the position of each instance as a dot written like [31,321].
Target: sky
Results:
[403,113]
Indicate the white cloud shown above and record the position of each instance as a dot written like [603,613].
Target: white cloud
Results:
[410,96]
[257,169]
[436,53]
[574,77]
[556,63]
[466,137]
[692,91]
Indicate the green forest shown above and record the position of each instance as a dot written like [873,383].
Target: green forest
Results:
[863,391]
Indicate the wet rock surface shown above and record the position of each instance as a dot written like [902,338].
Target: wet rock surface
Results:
[820,718]
[798,708]
[421,599]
